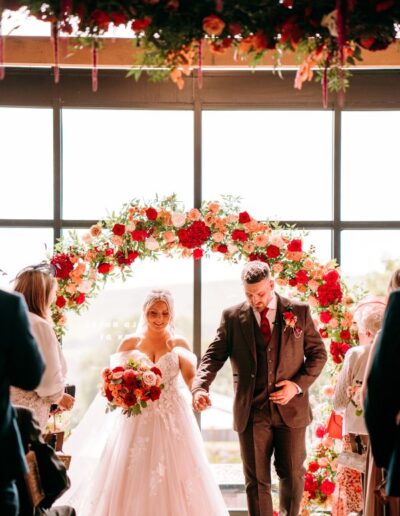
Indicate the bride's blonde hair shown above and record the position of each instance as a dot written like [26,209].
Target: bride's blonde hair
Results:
[152,297]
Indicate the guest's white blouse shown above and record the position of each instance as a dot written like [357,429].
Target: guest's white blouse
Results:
[53,379]
[348,387]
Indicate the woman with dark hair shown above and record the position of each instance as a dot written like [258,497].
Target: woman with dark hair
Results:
[38,286]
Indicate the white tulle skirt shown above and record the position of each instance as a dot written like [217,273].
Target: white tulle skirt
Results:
[150,465]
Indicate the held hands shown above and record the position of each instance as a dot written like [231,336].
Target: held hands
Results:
[287,391]
[201,401]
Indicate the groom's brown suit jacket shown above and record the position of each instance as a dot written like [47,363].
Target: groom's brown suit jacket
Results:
[301,357]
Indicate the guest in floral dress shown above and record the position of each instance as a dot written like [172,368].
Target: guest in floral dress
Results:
[38,285]
[348,496]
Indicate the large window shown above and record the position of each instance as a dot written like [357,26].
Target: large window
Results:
[67,161]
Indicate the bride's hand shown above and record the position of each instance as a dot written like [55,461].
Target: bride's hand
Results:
[201,401]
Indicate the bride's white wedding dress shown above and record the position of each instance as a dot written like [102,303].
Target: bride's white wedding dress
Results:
[151,464]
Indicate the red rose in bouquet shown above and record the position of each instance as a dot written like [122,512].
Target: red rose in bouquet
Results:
[131,386]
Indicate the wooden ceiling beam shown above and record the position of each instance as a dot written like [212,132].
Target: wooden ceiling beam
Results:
[24,51]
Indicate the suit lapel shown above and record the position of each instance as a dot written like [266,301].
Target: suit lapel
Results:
[247,327]
[282,305]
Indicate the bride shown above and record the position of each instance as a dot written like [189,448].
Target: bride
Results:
[153,463]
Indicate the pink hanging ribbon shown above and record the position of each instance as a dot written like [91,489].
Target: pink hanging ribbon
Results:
[54,38]
[200,75]
[95,81]
[325,80]
[2,67]
[341,10]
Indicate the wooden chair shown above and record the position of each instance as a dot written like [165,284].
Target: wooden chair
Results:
[32,480]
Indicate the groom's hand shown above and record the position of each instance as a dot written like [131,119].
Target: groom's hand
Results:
[287,391]
[201,401]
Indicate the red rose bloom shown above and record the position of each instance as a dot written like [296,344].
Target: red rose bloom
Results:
[323,333]
[109,252]
[151,213]
[345,335]
[334,347]
[244,217]
[325,317]
[130,399]
[310,483]
[101,19]
[331,276]
[126,260]
[104,268]
[327,487]
[329,293]
[320,431]
[117,369]
[273,251]
[258,256]
[295,246]
[293,282]
[155,392]
[62,264]
[222,248]
[344,347]
[139,25]
[118,229]
[139,235]
[118,19]
[80,298]
[337,359]
[108,394]
[60,301]
[239,234]
[194,235]
[302,277]
[156,371]
[130,377]
[313,466]
[197,254]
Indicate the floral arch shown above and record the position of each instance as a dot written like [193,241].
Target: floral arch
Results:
[147,230]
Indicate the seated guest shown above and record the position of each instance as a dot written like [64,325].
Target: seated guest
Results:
[21,365]
[53,475]
[39,286]
[347,400]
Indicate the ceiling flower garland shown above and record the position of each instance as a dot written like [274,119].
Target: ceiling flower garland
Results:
[326,35]
[109,249]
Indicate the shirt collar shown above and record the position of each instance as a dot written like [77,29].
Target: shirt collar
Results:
[272,305]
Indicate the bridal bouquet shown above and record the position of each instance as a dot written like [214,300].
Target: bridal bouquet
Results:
[131,386]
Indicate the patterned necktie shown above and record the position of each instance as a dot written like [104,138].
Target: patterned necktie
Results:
[264,325]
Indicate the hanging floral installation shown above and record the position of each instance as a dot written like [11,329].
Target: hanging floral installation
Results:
[326,35]
[110,248]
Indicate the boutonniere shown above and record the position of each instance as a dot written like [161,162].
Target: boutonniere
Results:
[290,320]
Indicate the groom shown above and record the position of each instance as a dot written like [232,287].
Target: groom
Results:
[276,354]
